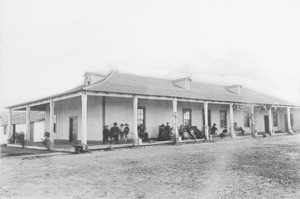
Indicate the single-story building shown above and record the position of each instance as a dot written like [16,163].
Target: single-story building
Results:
[101,100]
[18,123]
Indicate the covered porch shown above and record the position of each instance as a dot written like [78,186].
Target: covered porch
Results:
[82,115]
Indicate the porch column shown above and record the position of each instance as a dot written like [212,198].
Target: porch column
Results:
[231,120]
[51,123]
[270,121]
[27,130]
[9,125]
[289,119]
[206,120]
[134,128]
[175,118]
[252,116]
[84,118]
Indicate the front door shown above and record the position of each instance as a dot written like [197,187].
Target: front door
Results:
[286,122]
[73,129]
[31,131]
[266,118]
[14,133]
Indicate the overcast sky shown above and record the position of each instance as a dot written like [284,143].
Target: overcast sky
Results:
[46,46]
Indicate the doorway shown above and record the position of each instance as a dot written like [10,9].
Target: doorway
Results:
[73,134]
[266,118]
[31,132]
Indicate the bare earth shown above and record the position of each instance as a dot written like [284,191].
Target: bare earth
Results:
[247,168]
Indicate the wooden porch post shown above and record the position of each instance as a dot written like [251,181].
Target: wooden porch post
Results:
[252,116]
[289,119]
[9,125]
[270,121]
[51,123]
[231,120]
[175,118]
[206,120]
[84,118]
[134,128]
[27,121]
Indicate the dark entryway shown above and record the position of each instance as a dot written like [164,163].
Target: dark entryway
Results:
[14,133]
[73,129]
[31,131]
[266,118]
[286,123]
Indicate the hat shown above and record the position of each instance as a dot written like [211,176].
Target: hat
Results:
[126,124]
[105,126]
[214,124]
[167,122]
[115,123]
[122,125]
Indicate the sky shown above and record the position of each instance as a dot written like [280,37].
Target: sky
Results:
[47,45]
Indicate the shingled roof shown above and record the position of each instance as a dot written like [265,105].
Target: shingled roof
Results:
[139,85]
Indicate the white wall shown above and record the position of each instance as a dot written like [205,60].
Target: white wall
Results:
[38,131]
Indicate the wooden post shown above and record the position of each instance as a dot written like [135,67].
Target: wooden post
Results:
[51,123]
[206,121]
[289,119]
[84,118]
[252,116]
[175,118]
[231,120]
[9,125]
[270,121]
[134,127]
[27,121]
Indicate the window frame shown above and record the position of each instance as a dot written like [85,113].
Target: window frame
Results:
[246,124]
[275,118]
[223,125]
[190,119]
[144,115]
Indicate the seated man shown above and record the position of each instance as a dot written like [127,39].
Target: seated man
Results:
[142,133]
[236,128]
[224,132]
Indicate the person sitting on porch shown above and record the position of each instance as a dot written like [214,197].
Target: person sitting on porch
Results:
[142,133]
[122,132]
[114,132]
[224,133]
[167,127]
[105,134]
[213,131]
[126,131]
[192,134]
[162,134]
[236,128]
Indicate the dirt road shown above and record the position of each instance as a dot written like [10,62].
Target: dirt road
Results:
[261,168]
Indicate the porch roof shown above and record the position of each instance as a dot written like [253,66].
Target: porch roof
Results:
[19,117]
[122,83]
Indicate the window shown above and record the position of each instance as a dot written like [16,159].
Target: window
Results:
[246,119]
[275,119]
[187,117]
[223,118]
[141,116]
[54,124]
[209,117]
[5,130]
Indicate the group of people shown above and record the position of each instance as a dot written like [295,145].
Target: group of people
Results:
[116,133]
[214,130]
[165,132]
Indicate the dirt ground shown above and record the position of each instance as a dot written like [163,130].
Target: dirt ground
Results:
[247,168]
[8,151]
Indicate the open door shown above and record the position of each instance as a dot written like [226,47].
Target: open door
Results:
[266,118]
[73,129]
